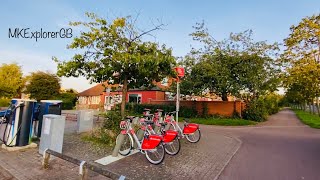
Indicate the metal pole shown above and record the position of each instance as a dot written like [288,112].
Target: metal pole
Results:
[118,145]
[178,98]
[108,99]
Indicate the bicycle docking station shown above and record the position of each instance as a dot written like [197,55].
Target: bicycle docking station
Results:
[16,125]
[22,121]
[115,156]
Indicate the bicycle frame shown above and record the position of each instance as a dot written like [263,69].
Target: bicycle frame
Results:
[130,131]
[183,132]
[176,127]
[153,142]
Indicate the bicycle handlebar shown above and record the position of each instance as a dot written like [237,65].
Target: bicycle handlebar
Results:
[171,113]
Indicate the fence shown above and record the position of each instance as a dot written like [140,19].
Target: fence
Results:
[223,108]
[313,108]
[83,166]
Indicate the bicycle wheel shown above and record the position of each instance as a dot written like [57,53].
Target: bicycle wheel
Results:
[194,137]
[156,156]
[173,148]
[126,146]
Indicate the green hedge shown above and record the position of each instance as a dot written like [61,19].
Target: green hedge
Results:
[139,108]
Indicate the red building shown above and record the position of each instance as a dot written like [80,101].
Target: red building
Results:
[98,96]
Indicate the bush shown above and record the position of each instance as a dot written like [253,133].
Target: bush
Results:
[4,102]
[187,112]
[255,110]
[69,100]
[272,102]
[112,121]
[109,130]
[259,109]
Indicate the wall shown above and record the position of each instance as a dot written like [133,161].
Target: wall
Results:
[224,108]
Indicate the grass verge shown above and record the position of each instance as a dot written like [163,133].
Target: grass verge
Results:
[222,121]
[308,119]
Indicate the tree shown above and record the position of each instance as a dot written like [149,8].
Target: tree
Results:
[226,67]
[43,85]
[116,52]
[302,55]
[10,80]
[69,98]
[304,76]
[304,40]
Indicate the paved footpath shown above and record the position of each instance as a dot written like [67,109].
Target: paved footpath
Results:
[205,160]
[280,149]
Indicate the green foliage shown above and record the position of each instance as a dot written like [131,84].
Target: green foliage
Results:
[69,99]
[303,41]
[4,102]
[259,109]
[112,121]
[271,102]
[10,80]
[223,121]
[115,51]
[43,85]
[308,119]
[255,110]
[109,130]
[187,112]
[302,55]
[226,67]
[139,108]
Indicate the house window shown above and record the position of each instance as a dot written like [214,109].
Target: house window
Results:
[109,100]
[135,98]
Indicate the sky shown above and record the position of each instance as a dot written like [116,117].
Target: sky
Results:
[269,19]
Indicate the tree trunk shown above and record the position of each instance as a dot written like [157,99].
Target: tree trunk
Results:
[124,97]
[310,110]
[313,107]
[224,96]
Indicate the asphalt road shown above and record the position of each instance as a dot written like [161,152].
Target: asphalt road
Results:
[280,149]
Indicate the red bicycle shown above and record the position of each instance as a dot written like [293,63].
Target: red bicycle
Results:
[171,139]
[190,131]
[151,144]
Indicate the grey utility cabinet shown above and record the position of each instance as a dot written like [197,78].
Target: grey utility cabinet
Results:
[52,133]
[84,121]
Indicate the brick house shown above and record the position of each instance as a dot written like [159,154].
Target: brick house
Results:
[98,97]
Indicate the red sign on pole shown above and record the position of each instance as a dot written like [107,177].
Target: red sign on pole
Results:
[180,71]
